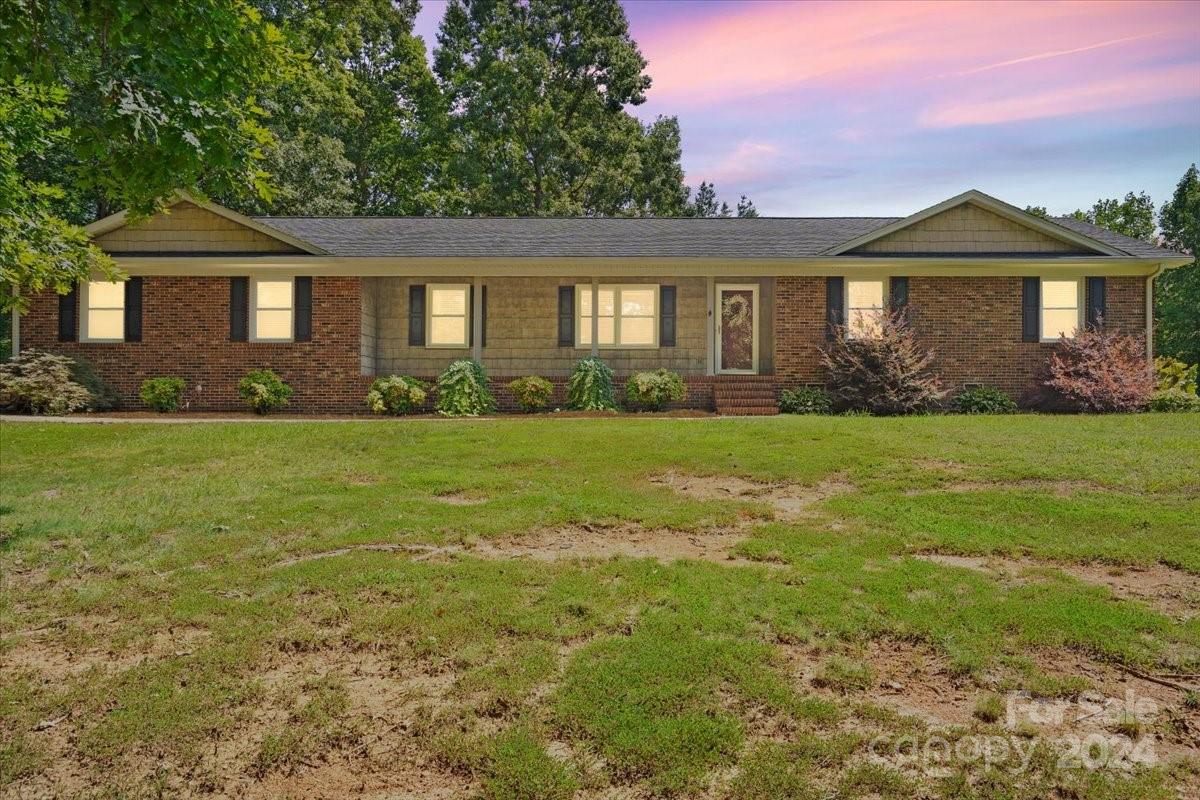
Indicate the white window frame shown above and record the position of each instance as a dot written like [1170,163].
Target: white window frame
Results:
[465,288]
[846,308]
[616,289]
[85,317]
[254,308]
[1079,301]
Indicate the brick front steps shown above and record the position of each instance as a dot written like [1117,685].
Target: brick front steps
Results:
[749,395]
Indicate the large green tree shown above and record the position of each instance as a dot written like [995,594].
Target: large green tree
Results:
[537,93]
[1177,293]
[1132,216]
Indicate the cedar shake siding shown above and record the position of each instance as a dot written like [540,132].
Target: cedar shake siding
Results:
[968,270]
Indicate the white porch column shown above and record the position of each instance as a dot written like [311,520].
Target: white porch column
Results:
[477,319]
[595,316]
[710,333]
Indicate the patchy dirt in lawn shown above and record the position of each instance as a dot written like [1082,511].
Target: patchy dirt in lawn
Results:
[788,500]
[1170,591]
[459,499]
[1059,488]
[44,652]
[576,541]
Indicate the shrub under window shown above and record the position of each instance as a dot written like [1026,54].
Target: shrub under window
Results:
[264,391]
[888,373]
[651,391]
[590,386]
[162,394]
[983,400]
[41,383]
[462,390]
[396,394]
[532,393]
[805,400]
[1101,372]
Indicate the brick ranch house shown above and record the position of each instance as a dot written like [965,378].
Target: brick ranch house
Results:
[739,307]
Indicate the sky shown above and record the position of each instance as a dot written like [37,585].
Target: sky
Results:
[884,108]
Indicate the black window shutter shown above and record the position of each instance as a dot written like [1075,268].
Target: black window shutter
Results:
[302,318]
[133,310]
[1031,302]
[471,317]
[666,316]
[566,316]
[835,304]
[483,319]
[239,309]
[898,294]
[1095,302]
[416,315]
[68,316]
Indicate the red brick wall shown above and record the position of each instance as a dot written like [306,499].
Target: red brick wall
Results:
[972,324]
[185,333]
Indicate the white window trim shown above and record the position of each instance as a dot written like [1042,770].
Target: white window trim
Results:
[617,288]
[85,315]
[886,282]
[465,288]
[1079,301]
[254,309]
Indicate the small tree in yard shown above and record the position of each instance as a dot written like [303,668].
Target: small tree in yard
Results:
[1102,372]
[886,373]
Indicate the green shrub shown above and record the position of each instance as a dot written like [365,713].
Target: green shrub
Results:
[162,394]
[264,391]
[1172,374]
[104,397]
[983,400]
[590,386]
[805,400]
[462,390]
[41,383]
[396,394]
[651,391]
[532,393]
[1174,400]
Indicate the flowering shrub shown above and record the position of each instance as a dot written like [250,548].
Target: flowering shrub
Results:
[41,383]
[651,391]
[983,400]
[532,393]
[1171,374]
[886,373]
[805,400]
[264,391]
[162,394]
[1098,371]
[396,394]
[590,386]
[462,390]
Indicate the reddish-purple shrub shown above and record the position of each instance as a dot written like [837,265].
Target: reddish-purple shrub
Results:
[886,372]
[1102,372]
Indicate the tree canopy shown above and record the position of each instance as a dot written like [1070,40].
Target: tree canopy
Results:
[1177,295]
[1133,216]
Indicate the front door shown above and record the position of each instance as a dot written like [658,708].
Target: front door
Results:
[737,329]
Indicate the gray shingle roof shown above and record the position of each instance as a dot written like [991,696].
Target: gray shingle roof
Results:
[1126,244]
[558,237]
[527,237]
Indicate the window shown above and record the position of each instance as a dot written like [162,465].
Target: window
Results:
[271,303]
[864,308]
[104,311]
[627,315]
[1061,302]
[449,314]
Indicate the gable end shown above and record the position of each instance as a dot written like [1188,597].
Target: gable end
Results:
[970,229]
[189,226]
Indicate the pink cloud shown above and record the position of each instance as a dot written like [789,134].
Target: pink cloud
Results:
[1150,86]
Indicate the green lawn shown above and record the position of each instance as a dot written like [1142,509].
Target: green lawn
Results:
[174,619]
